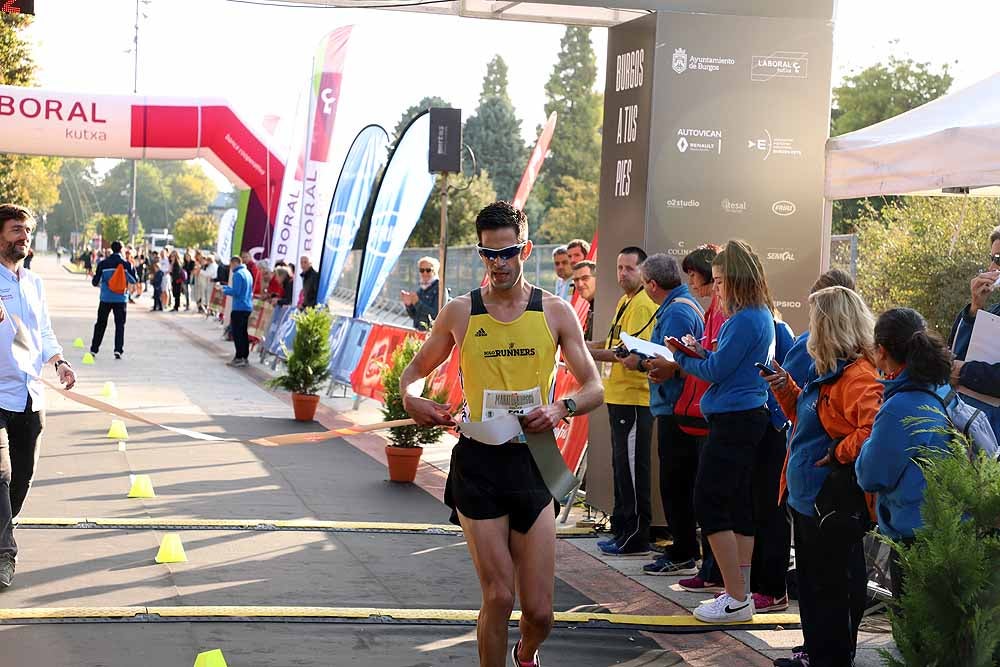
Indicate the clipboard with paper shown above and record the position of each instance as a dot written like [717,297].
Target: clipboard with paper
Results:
[984,346]
[645,347]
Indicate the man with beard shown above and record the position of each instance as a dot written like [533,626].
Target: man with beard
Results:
[27,342]
[626,391]
[508,332]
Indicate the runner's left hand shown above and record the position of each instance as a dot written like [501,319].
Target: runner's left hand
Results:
[67,377]
[544,418]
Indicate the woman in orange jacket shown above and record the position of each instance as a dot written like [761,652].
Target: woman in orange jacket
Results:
[832,417]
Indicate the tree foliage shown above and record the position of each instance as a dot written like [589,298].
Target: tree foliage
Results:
[392,408]
[76,201]
[467,197]
[411,113]
[494,133]
[308,366]
[28,180]
[875,94]
[110,228]
[576,145]
[196,230]
[166,191]
[922,252]
[573,213]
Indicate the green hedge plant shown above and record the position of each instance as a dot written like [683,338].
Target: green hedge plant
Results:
[406,436]
[949,612]
[308,366]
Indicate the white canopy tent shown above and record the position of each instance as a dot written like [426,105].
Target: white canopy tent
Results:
[951,144]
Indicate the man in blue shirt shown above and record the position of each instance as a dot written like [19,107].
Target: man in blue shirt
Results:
[241,291]
[111,301]
[27,342]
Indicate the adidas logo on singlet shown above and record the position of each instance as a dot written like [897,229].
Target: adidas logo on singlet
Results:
[481,332]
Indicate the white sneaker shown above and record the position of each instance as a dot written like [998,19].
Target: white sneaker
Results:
[726,609]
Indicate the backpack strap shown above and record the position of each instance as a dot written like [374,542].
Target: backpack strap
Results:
[696,307]
[943,401]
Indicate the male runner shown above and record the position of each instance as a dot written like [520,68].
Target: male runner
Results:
[508,333]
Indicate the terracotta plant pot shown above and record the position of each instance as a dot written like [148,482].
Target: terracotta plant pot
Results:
[403,462]
[305,406]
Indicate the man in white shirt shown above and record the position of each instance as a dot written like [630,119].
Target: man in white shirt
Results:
[27,342]
[564,272]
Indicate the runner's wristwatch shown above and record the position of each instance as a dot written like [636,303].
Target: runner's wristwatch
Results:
[570,405]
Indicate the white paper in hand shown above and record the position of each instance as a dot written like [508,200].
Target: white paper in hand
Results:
[645,347]
[494,431]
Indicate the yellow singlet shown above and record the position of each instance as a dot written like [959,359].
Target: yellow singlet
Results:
[507,367]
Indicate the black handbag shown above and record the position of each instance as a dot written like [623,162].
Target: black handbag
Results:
[841,509]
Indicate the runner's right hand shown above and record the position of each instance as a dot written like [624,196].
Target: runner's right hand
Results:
[427,412]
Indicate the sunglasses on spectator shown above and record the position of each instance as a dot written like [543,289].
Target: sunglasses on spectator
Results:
[993,259]
[423,270]
[510,252]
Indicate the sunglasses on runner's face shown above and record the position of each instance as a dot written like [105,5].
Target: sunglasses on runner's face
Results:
[510,252]
[993,259]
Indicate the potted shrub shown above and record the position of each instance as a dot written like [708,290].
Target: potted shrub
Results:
[406,442]
[308,362]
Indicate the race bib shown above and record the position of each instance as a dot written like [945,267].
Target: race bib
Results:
[496,403]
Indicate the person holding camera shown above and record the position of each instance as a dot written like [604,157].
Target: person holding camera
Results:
[832,416]
[626,392]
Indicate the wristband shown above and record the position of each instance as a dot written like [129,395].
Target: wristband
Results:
[60,363]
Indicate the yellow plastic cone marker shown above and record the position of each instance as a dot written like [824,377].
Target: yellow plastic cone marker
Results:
[118,430]
[88,359]
[78,342]
[142,487]
[121,446]
[210,659]
[109,390]
[171,550]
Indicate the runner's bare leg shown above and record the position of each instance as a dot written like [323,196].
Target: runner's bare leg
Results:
[489,546]
[534,569]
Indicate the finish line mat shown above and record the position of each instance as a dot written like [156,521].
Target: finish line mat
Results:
[265,525]
[372,615]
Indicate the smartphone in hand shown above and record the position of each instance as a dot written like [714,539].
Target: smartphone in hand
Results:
[764,368]
[682,348]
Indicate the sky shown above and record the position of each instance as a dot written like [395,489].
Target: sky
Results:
[259,57]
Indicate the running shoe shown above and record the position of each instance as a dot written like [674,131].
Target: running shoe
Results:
[614,550]
[725,609]
[765,603]
[518,663]
[6,570]
[698,585]
[663,566]
[799,659]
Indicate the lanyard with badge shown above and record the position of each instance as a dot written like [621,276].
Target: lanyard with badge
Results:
[615,333]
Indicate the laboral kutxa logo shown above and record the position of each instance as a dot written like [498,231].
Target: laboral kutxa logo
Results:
[699,140]
[780,65]
[783,208]
[683,62]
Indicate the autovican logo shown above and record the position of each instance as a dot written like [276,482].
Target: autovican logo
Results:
[783,207]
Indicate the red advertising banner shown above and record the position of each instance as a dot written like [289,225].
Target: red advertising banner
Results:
[535,163]
[366,380]
[446,380]
[571,438]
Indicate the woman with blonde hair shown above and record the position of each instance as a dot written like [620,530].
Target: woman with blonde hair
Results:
[832,416]
[735,407]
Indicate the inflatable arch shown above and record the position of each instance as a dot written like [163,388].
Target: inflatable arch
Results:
[36,121]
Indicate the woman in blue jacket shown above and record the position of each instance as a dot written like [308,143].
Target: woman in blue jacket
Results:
[914,363]
[735,407]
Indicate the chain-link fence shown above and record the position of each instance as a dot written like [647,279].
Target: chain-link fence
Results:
[463,274]
[844,253]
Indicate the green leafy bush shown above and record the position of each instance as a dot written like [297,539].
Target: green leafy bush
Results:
[949,613]
[406,436]
[923,252]
[309,361]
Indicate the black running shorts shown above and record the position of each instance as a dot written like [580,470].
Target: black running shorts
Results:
[491,481]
